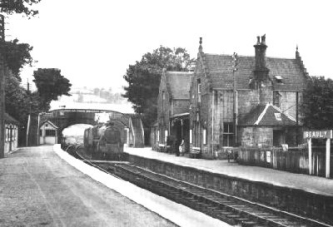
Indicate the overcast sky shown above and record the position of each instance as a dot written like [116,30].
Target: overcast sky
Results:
[94,41]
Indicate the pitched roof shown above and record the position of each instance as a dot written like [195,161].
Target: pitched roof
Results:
[267,115]
[10,120]
[50,123]
[178,84]
[221,75]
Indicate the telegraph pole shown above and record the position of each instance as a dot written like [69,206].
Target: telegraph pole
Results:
[2,90]
[235,104]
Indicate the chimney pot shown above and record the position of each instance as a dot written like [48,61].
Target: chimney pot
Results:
[263,39]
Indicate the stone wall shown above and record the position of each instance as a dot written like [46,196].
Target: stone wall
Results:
[180,106]
[256,137]
[247,100]
[288,103]
[163,111]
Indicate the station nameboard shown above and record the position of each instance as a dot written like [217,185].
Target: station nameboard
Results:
[327,134]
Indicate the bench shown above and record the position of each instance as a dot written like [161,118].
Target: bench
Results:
[163,147]
[194,152]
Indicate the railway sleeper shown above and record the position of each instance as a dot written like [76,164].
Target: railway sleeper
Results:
[249,224]
[267,219]
[268,222]
[227,217]
[241,220]
[187,194]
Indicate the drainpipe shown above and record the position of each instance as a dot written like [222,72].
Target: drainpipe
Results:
[212,139]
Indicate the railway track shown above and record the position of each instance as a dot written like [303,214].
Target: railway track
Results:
[230,209]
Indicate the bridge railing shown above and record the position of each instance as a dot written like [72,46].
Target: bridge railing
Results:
[85,111]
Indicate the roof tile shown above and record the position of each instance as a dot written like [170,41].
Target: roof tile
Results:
[220,68]
[179,84]
[267,115]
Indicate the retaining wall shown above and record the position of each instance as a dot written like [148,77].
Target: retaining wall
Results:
[296,201]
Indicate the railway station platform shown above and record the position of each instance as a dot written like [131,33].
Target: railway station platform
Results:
[305,195]
[313,184]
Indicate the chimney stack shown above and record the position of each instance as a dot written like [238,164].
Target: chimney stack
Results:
[261,80]
[200,44]
[260,53]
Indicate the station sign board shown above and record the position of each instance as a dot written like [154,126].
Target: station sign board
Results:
[323,134]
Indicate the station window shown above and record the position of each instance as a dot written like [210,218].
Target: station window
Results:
[158,136]
[278,79]
[49,132]
[191,136]
[228,134]
[165,136]
[204,136]
[7,134]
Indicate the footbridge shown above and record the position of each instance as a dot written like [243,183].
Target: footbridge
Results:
[46,128]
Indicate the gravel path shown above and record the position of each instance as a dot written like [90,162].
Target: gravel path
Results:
[37,188]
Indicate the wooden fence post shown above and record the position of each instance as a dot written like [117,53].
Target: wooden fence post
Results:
[328,157]
[310,155]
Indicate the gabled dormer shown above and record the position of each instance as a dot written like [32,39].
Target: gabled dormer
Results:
[173,100]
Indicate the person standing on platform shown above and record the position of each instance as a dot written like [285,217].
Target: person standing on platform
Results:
[182,148]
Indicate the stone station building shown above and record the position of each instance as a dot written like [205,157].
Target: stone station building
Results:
[233,101]
[173,111]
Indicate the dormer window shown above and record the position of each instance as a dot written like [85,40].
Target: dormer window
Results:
[278,116]
[278,79]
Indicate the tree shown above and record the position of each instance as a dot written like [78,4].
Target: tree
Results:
[50,85]
[143,79]
[16,99]
[18,6]
[317,106]
[10,7]
[16,55]
[19,101]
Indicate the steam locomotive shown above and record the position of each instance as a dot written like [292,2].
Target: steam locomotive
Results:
[106,141]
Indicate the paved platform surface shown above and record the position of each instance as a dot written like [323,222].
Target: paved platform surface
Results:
[177,213]
[304,182]
[37,188]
